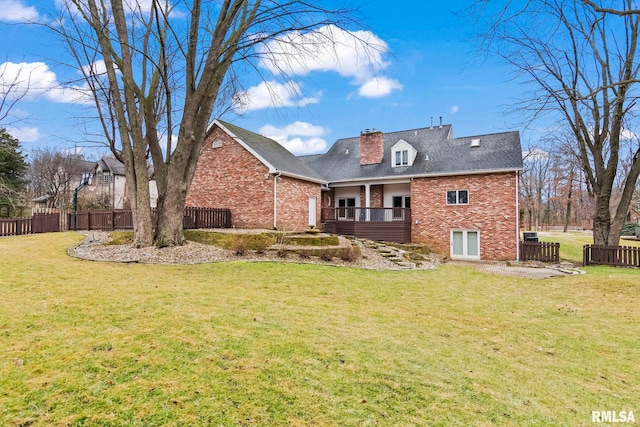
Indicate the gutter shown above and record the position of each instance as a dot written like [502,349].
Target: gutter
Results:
[517,216]
[275,199]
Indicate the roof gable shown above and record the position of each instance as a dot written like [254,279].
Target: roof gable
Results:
[273,155]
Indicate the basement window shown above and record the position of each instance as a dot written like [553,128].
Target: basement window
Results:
[457,197]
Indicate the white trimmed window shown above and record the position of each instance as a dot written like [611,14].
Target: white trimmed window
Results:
[402,154]
[457,197]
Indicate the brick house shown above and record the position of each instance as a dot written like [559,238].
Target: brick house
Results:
[263,184]
[459,195]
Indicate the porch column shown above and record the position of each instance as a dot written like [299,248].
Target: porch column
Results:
[367,200]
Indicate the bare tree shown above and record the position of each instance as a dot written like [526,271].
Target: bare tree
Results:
[580,61]
[54,174]
[14,86]
[156,71]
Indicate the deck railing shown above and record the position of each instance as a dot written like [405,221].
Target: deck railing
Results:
[389,224]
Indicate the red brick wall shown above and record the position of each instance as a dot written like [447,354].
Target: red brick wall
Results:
[376,193]
[231,177]
[371,147]
[293,203]
[491,210]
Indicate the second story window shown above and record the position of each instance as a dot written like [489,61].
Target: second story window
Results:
[401,158]
[457,197]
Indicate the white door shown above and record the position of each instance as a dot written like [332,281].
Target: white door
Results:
[312,212]
[465,244]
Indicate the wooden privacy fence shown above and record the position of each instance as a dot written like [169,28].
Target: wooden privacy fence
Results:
[539,251]
[619,256]
[194,217]
[38,223]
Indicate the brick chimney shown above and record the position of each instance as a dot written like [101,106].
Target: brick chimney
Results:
[371,147]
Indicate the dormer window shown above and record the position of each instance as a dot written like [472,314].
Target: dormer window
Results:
[402,154]
[402,158]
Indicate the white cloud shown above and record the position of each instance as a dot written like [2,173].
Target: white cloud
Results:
[25,134]
[358,55]
[272,94]
[378,87]
[96,68]
[455,109]
[298,137]
[130,7]
[35,80]
[16,11]
[535,154]
[628,135]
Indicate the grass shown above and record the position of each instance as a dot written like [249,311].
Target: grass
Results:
[85,343]
[571,243]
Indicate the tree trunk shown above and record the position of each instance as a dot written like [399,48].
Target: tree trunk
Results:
[567,217]
[601,221]
[138,186]
[169,229]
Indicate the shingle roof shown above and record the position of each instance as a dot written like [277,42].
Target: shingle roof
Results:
[275,155]
[438,154]
[110,163]
[83,166]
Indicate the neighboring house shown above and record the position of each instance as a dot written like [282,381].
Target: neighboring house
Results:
[634,211]
[62,182]
[459,195]
[110,179]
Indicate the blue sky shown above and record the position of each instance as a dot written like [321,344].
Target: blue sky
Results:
[429,71]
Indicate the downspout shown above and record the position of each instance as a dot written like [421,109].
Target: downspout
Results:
[275,199]
[517,216]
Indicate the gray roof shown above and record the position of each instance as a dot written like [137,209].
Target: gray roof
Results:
[275,155]
[83,166]
[111,164]
[438,154]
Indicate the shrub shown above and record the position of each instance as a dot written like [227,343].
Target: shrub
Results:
[350,254]
[630,229]
[304,254]
[260,243]
[240,243]
[326,255]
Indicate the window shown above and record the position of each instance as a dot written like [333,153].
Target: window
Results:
[457,197]
[106,177]
[402,154]
[401,202]
[398,203]
[346,208]
[402,158]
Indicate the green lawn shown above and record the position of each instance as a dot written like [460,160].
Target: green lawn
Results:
[264,344]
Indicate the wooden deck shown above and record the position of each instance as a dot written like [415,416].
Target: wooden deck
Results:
[386,224]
